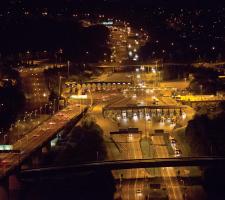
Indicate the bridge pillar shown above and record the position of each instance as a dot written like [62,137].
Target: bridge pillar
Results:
[46,148]
[14,187]
[4,189]
[36,158]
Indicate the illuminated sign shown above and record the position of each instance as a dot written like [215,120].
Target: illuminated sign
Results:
[107,23]
[6,147]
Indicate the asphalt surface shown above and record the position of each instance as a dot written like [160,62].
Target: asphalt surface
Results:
[36,138]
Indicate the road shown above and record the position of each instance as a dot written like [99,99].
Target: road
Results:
[174,191]
[132,184]
[129,148]
[35,88]
[36,138]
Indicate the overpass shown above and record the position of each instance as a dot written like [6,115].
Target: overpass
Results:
[30,148]
[123,164]
[219,66]
[139,63]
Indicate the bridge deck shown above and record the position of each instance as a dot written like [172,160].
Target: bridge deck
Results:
[36,139]
[127,164]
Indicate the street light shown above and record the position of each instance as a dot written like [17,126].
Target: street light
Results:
[60,85]
[68,68]
[201,86]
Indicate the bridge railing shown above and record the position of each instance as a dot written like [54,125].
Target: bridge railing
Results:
[125,164]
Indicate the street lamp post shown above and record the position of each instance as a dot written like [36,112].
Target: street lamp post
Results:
[54,106]
[35,113]
[45,108]
[201,86]
[40,110]
[156,70]
[6,135]
[68,68]
[60,82]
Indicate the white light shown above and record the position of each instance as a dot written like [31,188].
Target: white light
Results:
[135,117]
[124,119]
[147,117]
[130,53]
[118,117]
[184,115]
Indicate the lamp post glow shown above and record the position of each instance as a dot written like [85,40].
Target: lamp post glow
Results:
[68,68]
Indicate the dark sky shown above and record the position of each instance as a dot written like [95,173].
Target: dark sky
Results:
[123,3]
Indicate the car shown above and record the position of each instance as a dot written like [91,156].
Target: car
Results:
[173,141]
[138,191]
[177,153]
[36,135]
[118,117]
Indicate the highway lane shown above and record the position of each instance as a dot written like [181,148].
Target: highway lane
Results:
[34,85]
[168,174]
[172,185]
[129,149]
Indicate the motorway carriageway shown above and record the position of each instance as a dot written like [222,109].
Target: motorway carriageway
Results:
[37,137]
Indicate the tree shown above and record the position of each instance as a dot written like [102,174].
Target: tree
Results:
[12,99]
[84,143]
